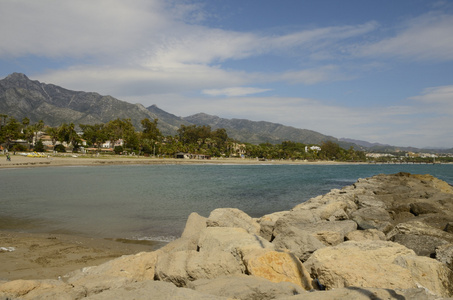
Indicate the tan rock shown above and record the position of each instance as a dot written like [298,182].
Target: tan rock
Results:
[330,238]
[40,289]
[277,267]
[195,223]
[297,241]
[233,217]
[363,235]
[185,266]
[267,224]
[246,287]
[435,182]
[378,264]
[115,273]
[230,239]
[429,274]
[137,267]
[359,293]
[362,264]
[153,290]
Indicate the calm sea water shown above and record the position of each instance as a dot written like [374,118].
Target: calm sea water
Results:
[154,201]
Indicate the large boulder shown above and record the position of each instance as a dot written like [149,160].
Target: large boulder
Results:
[372,218]
[297,241]
[267,224]
[428,273]
[419,228]
[115,273]
[422,245]
[153,290]
[229,239]
[40,289]
[246,287]
[181,267]
[233,217]
[277,266]
[378,264]
[420,237]
[137,267]
[330,232]
[359,293]
[333,206]
[295,218]
[194,225]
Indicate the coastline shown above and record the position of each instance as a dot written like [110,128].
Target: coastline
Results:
[48,255]
[18,161]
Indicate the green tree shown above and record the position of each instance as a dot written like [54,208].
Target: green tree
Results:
[11,131]
[53,133]
[94,134]
[331,151]
[67,133]
[150,130]
[122,129]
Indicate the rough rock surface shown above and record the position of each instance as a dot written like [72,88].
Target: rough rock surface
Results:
[277,267]
[378,264]
[444,254]
[246,287]
[233,217]
[384,237]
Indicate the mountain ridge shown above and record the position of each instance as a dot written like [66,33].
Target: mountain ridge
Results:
[22,97]
[259,131]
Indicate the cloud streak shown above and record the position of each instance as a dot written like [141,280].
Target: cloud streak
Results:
[425,38]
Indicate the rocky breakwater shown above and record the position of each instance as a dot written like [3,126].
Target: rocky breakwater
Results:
[385,237]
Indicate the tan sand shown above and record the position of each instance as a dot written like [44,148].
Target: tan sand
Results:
[18,161]
[47,256]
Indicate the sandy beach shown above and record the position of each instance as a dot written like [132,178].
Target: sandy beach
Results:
[38,256]
[19,161]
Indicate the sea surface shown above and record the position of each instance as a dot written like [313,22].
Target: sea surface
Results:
[153,201]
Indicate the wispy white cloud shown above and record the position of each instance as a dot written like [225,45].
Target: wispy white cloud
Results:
[234,91]
[160,52]
[436,95]
[76,28]
[311,76]
[427,37]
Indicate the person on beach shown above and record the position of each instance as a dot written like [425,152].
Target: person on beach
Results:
[8,158]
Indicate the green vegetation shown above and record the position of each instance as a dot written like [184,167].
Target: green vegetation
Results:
[293,151]
[193,139]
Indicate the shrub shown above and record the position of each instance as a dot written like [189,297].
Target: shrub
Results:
[118,149]
[39,147]
[19,147]
[59,148]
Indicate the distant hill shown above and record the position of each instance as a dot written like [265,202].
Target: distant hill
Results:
[21,97]
[259,132]
[363,143]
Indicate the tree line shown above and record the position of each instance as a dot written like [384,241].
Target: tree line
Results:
[150,141]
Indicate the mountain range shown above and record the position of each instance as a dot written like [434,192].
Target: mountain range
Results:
[21,97]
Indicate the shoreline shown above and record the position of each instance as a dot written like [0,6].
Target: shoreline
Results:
[18,161]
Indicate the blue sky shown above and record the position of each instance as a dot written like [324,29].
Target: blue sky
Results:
[380,71]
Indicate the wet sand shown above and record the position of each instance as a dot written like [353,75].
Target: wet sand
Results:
[47,256]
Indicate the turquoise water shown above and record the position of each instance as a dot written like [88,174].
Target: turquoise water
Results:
[154,201]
